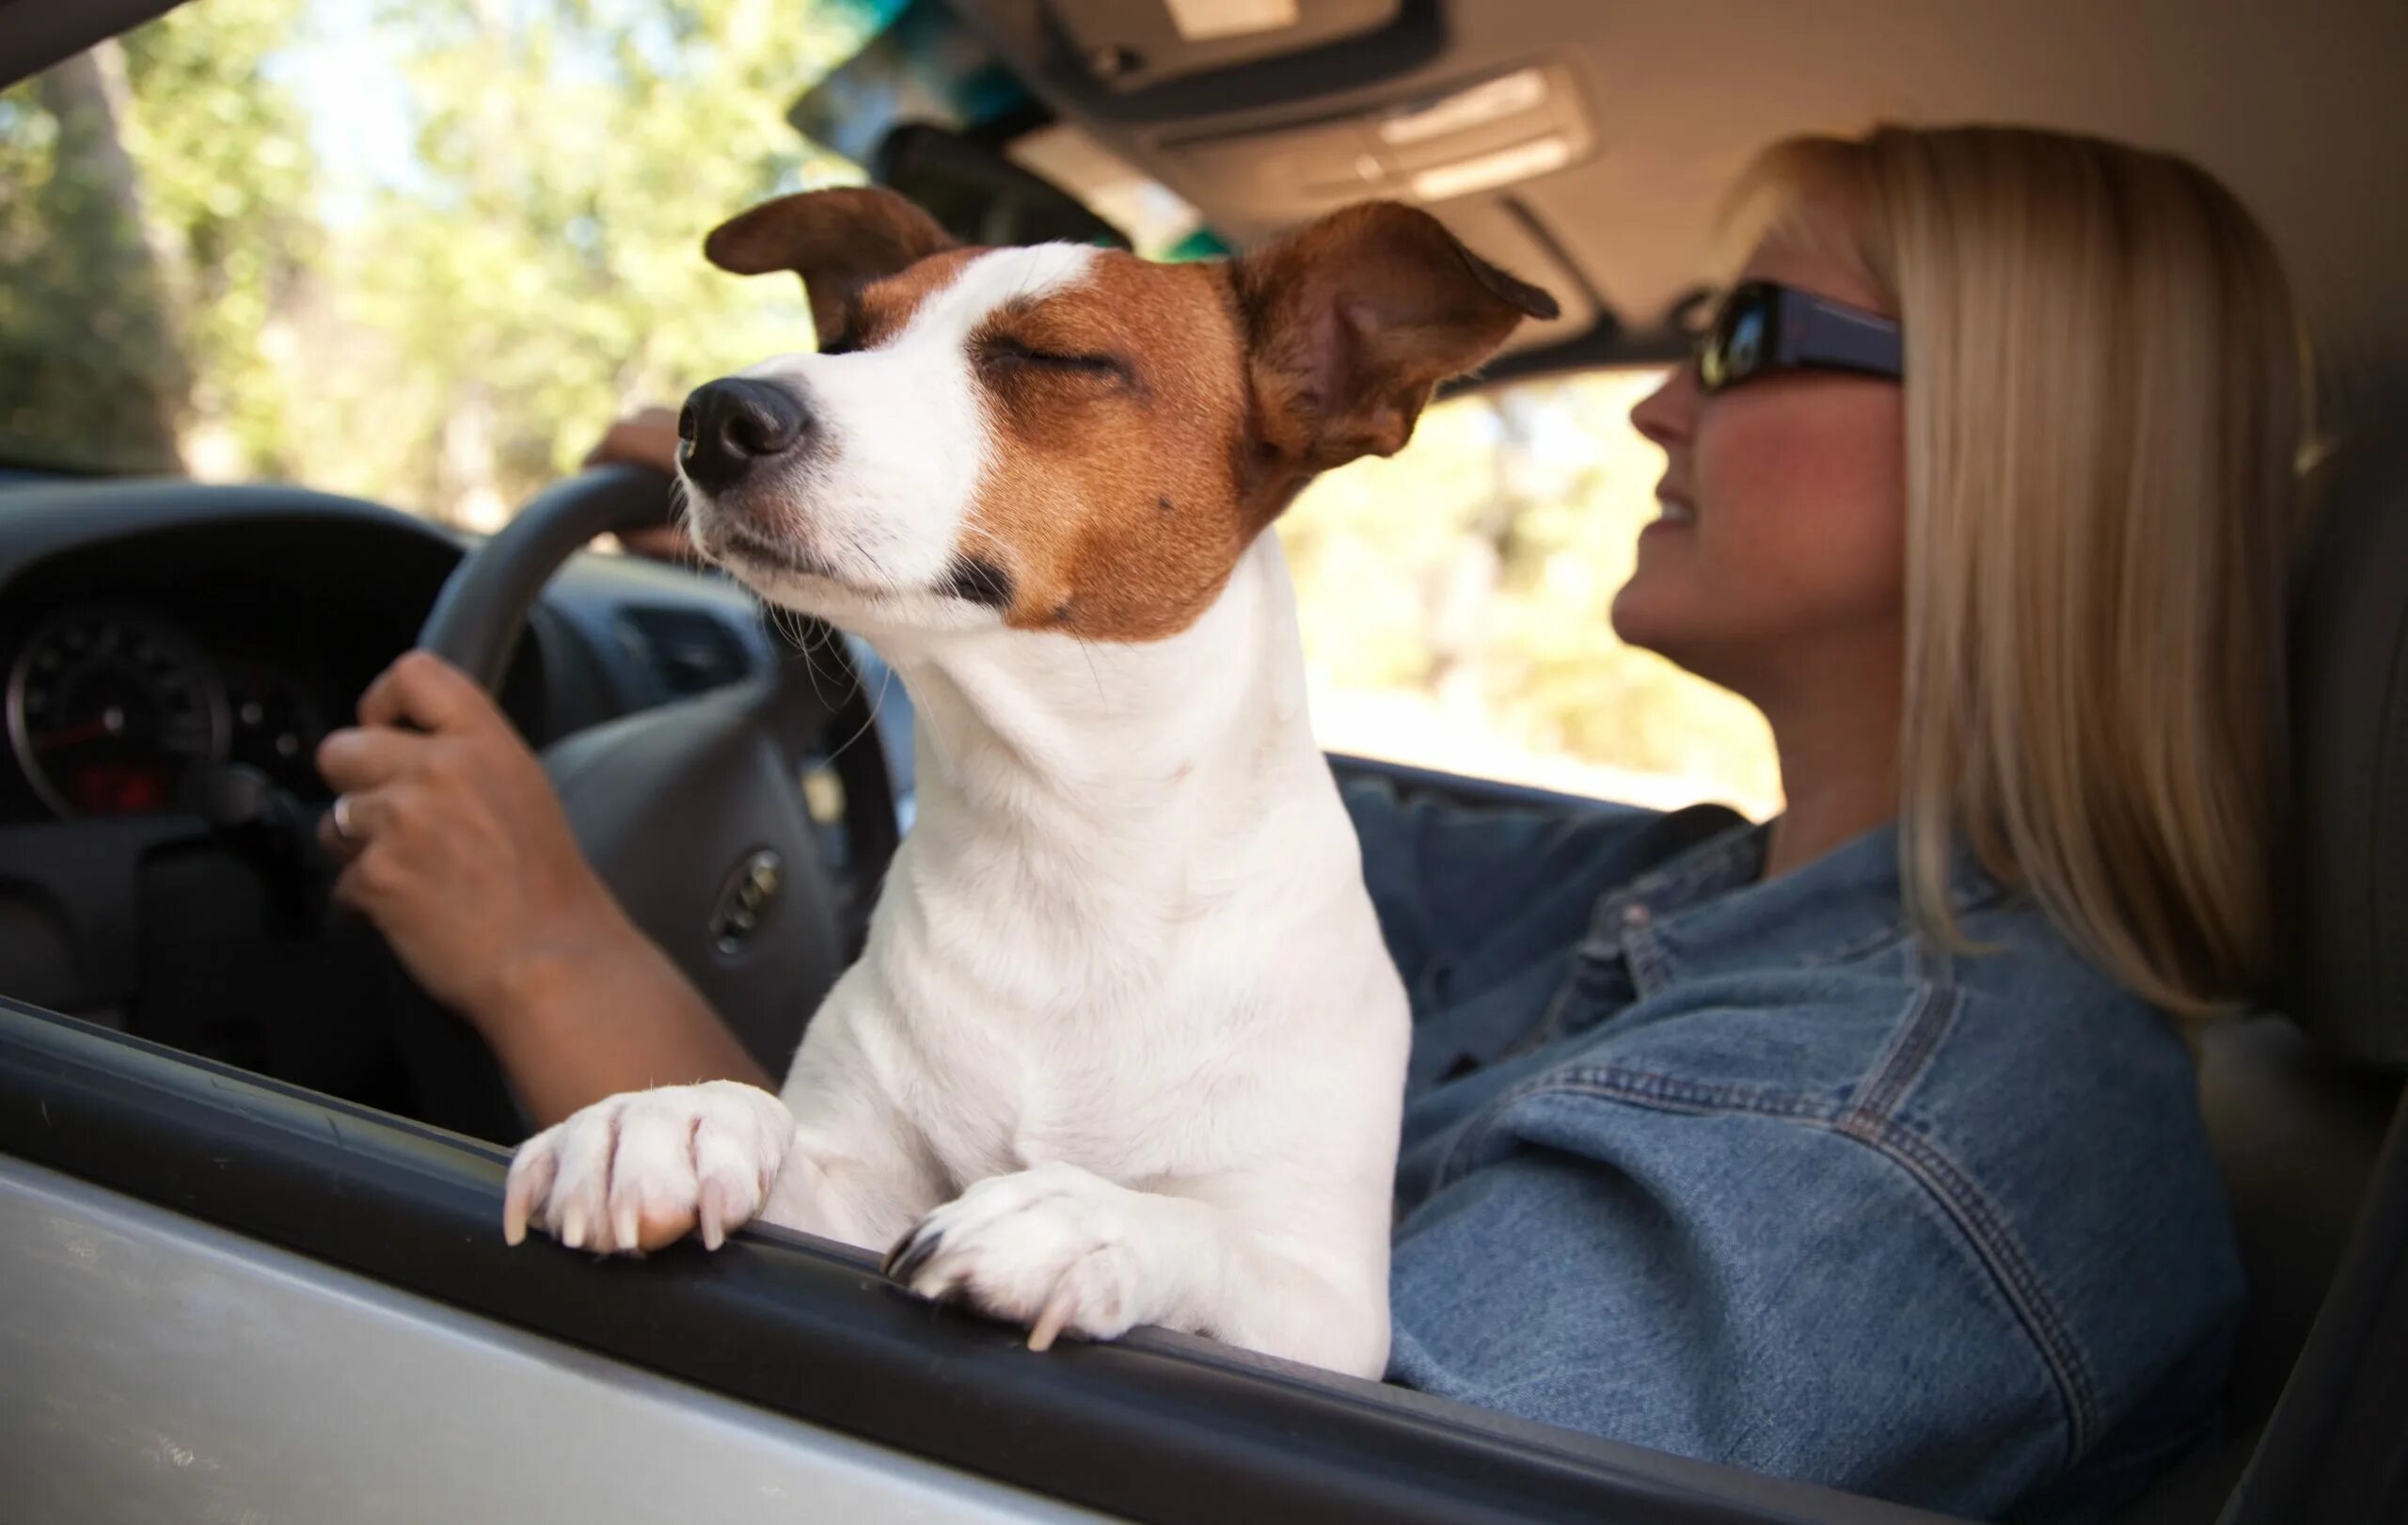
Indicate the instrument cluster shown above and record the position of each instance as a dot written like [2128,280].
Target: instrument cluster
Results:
[116,708]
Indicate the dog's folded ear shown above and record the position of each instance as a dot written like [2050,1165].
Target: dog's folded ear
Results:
[838,241]
[1354,319]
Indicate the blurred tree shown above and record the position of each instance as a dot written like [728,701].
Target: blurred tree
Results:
[176,291]
[228,180]
[154,196]
[539,269]
[90,359]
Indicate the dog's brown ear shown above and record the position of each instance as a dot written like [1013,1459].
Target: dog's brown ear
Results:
[1353,321]
[838,241]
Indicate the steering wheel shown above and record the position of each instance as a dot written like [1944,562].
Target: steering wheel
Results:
[692,813]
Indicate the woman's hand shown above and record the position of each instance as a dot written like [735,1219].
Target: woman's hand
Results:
[455,845]
[647,438]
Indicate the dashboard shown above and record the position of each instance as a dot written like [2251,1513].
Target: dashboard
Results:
[151,632]
[155,633]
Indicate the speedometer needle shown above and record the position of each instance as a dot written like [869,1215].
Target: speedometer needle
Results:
[108,723]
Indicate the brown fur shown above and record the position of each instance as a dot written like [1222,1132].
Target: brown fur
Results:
[1353,322]
[1086,462]
[838,241]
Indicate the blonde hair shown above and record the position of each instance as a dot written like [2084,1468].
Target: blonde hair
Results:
[2105,403]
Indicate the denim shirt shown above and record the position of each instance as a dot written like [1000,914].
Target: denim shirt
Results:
[1740,1170]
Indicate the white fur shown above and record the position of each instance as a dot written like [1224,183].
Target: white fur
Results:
[1125,1046]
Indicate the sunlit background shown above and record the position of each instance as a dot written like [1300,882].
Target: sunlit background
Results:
[423,252]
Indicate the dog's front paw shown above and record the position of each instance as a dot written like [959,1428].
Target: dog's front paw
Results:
[646,1168]
[1051,1249]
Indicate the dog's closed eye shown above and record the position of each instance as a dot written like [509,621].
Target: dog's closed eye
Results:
[999,353]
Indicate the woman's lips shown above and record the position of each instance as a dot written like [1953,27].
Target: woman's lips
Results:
[1674,503]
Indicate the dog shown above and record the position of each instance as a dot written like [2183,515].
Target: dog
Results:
[1125,1045]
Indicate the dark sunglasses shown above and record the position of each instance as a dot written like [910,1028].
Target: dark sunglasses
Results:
[1763,327]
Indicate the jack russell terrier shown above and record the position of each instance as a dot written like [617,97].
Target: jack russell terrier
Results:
[1125,1045]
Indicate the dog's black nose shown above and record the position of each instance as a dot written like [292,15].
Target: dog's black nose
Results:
[726,425]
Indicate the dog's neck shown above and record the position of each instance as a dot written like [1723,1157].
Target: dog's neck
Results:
[1020,732]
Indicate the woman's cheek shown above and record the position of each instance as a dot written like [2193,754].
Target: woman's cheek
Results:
[1804,517]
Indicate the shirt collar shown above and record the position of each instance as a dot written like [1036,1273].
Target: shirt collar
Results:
[1711,909]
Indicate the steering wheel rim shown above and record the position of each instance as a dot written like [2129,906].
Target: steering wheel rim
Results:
[478,618]
[735,753]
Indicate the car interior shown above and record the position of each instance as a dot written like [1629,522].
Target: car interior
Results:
[185,1021]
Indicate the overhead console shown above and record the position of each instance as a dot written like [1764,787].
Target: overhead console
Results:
[1162,61]
[1483,134]
[1128,47]
[1268,113]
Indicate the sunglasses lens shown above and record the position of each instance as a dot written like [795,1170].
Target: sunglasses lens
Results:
[1738,340]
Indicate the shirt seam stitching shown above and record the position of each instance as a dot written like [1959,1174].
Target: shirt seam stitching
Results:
[1909,1054]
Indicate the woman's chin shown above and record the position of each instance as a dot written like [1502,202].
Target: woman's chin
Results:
[1640,616]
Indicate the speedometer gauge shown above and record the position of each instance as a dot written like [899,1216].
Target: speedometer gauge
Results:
[110,709]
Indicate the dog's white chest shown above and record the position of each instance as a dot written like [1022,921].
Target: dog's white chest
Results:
[1133,1095]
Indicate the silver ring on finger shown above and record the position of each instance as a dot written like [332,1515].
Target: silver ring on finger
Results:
[343,819]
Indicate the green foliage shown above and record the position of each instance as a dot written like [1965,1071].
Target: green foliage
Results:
[543,272]
[227,173]
[462,332]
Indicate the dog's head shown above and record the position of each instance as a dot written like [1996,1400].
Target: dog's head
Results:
[1061,437]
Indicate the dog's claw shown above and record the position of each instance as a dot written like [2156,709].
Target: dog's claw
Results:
[712,1216]
[1050,1322]
[907,1257]
[894,1251]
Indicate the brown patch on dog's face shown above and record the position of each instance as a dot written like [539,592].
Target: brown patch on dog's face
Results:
[1115,497]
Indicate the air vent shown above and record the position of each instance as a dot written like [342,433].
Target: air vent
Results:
[689,651]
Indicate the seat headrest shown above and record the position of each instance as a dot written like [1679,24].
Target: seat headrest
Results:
[2346,903]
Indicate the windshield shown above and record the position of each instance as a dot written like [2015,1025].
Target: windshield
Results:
[423,252]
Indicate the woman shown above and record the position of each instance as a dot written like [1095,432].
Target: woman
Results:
[1860,1146]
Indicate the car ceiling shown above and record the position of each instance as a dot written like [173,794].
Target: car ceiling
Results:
[2302,108]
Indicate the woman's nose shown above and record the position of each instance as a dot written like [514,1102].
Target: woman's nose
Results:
[1666,415]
